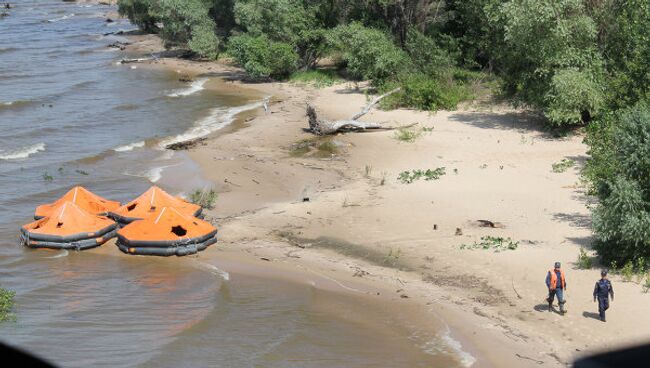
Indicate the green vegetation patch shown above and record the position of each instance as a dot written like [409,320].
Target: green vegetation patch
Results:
[585,261]
[318,78]
[315,147]
[204,197]
[562,166]
[407,135]
[6,304]
[496,243]
[409,176]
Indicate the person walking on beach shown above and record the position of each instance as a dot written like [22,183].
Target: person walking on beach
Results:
[556,284]
[602,291]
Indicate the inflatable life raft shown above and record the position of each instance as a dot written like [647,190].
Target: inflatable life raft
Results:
[167,232]
[68,227]
[83,198]
[148,203]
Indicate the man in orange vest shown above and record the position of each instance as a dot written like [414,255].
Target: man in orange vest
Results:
[556,284]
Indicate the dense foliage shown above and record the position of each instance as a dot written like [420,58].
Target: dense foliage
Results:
[578,62]
[620,171]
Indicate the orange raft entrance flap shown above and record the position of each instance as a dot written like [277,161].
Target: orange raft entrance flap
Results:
[151,201]
[83,198]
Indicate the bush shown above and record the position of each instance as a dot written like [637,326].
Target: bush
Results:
[6,304]
[204,198]
[368,53]
[574,96]
[426,55]
[425,93]
[585,262]
[316,77]
[262,58]
[620,174]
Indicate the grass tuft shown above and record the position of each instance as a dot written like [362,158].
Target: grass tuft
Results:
[204,198]
[562,166]
[318,78]
[6,304]
[406,135]
[585,262]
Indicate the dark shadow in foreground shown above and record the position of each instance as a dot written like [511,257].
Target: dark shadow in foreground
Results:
[631,357]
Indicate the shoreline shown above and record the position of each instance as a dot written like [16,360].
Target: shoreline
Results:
[499,317]
[461,338]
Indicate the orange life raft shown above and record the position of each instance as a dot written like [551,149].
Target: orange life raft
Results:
[68,227]
[167,232]
[83,198]
[151,201]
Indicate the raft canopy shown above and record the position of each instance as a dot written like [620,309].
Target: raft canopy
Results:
[168,231]
[151,201]
[68,226]
[83,198]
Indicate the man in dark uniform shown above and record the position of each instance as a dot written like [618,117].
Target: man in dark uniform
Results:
[602,291]
[556,284]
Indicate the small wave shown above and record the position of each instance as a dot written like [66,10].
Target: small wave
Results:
[443,343]
[61,18]
[64,253]
[22,152]
[217,119]
[129,147]
[216,271]
[154,174]
[466,359]
[194,87]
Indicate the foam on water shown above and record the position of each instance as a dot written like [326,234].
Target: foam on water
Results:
[23,152]
[218,118]
[129,147]
[194,87]
[61,18]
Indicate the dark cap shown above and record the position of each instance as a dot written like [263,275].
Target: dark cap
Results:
[603,272]
[557,264]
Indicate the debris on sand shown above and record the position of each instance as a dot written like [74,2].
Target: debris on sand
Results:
[185,145]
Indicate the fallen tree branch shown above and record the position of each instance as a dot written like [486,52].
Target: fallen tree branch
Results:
[138,60]
[325,127]
[373,103]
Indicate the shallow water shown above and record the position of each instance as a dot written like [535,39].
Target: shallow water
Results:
[69,115]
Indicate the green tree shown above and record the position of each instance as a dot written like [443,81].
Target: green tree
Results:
[368,53]
[279,20]
[187,23]
[620,172]
[477,37]
[138,12]
[547,45]
[624,36]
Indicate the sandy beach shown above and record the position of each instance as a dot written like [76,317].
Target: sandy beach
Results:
[342,214]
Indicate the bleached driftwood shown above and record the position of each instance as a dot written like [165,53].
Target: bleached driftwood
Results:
[138,60]
[373,103]
[325,127]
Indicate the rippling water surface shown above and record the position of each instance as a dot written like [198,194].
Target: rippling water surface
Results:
[70,115]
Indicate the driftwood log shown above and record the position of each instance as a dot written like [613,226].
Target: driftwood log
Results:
[325,127]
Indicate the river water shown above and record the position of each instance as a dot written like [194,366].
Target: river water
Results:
[69,114]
